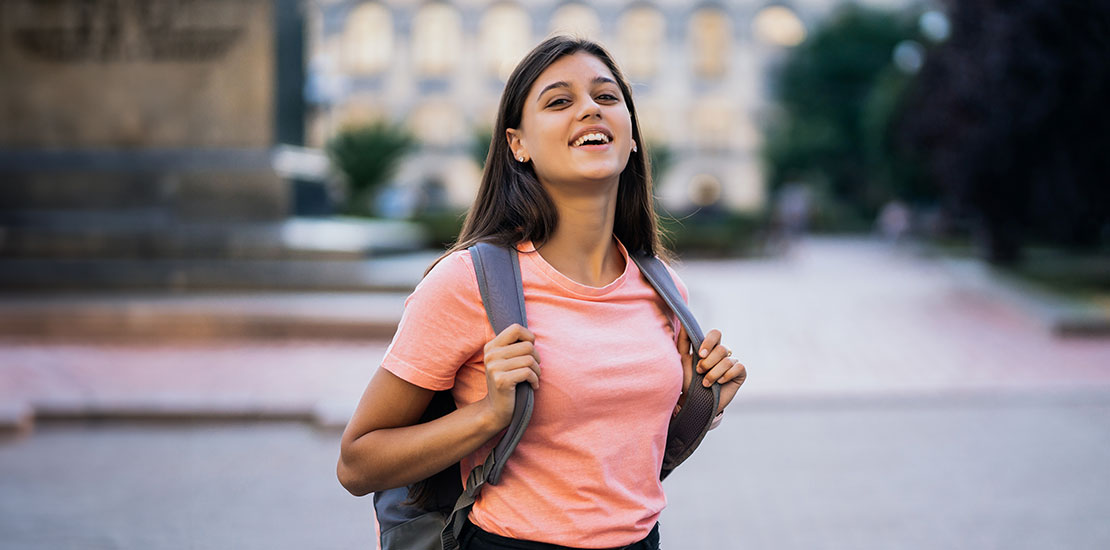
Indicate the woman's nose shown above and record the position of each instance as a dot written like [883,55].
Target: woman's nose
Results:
[589,108]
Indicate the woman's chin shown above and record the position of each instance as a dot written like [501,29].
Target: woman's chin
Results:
[600,172]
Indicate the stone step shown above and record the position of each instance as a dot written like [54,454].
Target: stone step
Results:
[159,317]
[148,235]
[398,272]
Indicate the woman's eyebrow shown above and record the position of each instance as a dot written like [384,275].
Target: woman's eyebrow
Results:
[564,84]
[559,84]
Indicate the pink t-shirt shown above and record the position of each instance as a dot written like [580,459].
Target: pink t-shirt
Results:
[586,472]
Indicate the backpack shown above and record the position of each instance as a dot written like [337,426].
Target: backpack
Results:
[436,525]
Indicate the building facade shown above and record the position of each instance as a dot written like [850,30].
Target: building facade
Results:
[698,72]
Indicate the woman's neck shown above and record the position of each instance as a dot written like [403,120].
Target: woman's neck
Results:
[582,246]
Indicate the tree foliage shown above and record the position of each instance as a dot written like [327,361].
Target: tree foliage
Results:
[1011,116]
[837,94]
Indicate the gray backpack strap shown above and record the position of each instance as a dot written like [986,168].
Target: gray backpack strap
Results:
[688,428]
[498,272]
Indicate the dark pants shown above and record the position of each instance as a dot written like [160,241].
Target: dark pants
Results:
[473,538]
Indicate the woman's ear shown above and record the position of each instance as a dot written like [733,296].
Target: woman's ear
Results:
[516,144]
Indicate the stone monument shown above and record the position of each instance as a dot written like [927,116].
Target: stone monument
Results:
[157,110]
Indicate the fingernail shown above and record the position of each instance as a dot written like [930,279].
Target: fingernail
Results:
[703,352]
[706,383]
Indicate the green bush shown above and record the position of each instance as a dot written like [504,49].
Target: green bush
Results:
[367,156]
[717,233]
[443,226]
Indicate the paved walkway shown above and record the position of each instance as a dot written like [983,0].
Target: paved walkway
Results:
[837,320]
[892,402]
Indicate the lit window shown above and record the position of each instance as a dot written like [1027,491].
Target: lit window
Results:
[506,35]
[641,33]
[710,42]
[779,25]
[578,20]
[368,39]
[436,39]
[704,190]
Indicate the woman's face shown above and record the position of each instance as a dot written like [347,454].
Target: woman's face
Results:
[575,126]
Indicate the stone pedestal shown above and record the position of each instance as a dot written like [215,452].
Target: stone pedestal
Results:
[153,109]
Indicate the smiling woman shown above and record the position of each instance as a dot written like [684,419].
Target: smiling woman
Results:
[566,184]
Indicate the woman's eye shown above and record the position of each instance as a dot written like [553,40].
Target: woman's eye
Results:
[607,97]
[557,102]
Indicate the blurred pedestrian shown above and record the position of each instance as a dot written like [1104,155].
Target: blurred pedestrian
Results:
[567,183]
[894,221]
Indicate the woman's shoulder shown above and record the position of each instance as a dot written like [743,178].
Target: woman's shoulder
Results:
[451,276]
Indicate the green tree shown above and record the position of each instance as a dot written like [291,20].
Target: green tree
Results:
[838,94]
[368,156]
[1010,115]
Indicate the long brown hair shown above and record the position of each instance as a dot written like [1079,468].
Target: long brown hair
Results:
[512,206]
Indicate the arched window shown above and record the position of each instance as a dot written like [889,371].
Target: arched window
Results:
[710,32]
[438,122]
[641,32]
[779,25]
[436,39]
[506,35]
[368,39]
[576,19]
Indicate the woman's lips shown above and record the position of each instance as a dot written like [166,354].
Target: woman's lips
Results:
[594,147]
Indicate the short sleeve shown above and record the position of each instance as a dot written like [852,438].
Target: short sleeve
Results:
[444,325]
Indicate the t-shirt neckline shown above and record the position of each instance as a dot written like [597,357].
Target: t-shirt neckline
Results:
[529,252]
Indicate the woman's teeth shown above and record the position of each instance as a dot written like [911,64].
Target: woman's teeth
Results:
[597,136]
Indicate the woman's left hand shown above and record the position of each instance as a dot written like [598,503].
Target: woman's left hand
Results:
[715,363]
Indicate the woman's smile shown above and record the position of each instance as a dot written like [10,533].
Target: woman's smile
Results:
[593,139]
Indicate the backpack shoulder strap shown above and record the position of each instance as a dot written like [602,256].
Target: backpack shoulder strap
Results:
[689,426]
[498,272]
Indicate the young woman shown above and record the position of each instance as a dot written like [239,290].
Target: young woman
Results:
[567,183]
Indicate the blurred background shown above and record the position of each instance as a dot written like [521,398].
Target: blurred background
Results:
[211,212]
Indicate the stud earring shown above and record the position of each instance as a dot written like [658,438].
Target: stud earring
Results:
[634,149]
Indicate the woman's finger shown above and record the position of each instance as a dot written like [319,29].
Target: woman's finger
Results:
[718,371]
[512,334]
[520,371]
[712,338]
[683,341]
[514,363]
[715,356]
[737,375]
[512,350]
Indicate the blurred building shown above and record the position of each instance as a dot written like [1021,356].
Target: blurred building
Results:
[698,72]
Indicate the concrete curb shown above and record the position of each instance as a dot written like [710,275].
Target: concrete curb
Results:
[16,417]
[21,417]
[1062,315]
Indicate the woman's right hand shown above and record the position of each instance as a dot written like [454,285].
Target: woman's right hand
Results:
[510,358]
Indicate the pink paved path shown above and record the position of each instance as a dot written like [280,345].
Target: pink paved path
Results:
[836,319]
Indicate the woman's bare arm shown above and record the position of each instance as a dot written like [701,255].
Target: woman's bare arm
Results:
[383,446]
